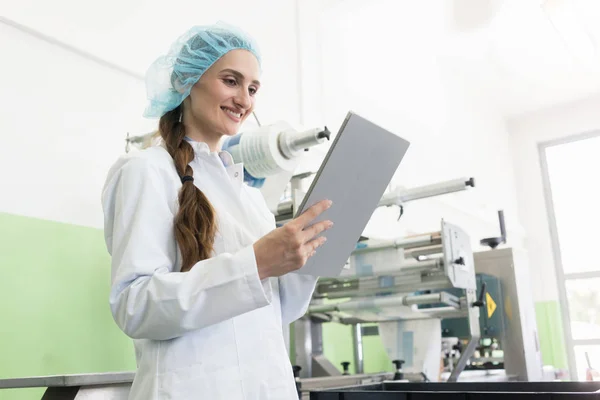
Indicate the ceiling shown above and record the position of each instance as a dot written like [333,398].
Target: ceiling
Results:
[526,55]
[522,55]
[132,33]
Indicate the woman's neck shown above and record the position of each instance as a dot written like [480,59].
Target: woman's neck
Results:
[196,133]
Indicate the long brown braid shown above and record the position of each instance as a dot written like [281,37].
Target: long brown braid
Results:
[195,225]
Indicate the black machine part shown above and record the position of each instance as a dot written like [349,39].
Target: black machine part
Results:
[324,134]
[296,369]
[345,365]
[463,391]
[481,300]
[399,375]
[493,242]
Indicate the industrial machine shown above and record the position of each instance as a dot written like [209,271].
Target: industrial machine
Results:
[509,339]
[405,286]
[433,300]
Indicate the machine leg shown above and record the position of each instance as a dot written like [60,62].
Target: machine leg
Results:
[464,358]
[358,348]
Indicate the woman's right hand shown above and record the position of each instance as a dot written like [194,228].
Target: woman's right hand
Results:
[287,248]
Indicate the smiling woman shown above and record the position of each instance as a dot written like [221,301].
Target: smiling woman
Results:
[202,280]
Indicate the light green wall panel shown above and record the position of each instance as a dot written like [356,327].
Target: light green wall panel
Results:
[337,347]
[550,332]
[55,280]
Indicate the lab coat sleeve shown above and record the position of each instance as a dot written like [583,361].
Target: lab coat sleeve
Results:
[295,292]
[149,298]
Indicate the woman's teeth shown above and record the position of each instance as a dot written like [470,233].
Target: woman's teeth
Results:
[237,115]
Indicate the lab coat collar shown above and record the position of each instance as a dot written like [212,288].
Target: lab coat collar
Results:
[235,171]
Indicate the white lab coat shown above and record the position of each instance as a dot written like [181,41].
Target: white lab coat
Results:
[215,332]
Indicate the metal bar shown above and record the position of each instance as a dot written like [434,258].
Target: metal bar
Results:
[401,243]
[379,302]
[423,299]
[423,251]
[411,267]
[68,380]
[474,331]
[357,343]
[464,358]
[444,312]
[303,346]
[421,192]
[421,266]
[373,288]
[320,383]
[285,207]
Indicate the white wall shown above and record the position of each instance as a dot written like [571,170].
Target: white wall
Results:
[65,116]
[526,133]
[77,111]
[64,120]
[380,60]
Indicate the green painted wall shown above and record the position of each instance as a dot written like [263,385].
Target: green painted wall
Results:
[55,318]
[337,340]
[550,331]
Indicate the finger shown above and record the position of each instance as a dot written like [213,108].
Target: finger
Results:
[316,243]
[313,212]
[315,229]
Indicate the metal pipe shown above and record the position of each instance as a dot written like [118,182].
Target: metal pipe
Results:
[404,243]
[444,312]
[464,358]
[423,299]
[292,143]
[373,288]
[377,302]
[415,266]
[358,348]
[421,192]
[423,251]
[285,207]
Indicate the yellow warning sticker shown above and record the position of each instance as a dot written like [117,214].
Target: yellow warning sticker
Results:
[491,304]
[508,308]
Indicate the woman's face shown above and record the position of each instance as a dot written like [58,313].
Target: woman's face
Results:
[223,97]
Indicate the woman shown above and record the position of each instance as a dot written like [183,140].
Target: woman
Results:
[201,279]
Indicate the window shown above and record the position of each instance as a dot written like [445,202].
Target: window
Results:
[571,169]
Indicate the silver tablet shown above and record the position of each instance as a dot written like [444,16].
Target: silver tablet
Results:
[358,167]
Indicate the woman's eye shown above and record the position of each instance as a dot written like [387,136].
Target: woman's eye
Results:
[230,82]
[252,91]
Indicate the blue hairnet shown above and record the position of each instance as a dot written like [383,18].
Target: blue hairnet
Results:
[170,78]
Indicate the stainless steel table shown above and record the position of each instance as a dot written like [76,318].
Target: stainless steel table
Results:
[105,386]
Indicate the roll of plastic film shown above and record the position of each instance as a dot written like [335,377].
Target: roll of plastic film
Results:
[260,153]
